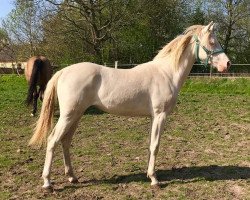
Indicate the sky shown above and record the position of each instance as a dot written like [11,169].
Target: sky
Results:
[5,8]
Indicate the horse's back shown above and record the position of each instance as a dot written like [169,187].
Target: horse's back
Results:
[118,91]
[46,70]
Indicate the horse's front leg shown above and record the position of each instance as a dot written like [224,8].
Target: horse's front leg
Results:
[157,128]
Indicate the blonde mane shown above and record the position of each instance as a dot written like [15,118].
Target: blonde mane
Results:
[176,47]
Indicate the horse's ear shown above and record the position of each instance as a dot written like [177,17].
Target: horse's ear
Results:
[212,27]
[208,28]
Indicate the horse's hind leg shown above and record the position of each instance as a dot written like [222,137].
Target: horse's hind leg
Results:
[41,92]
[62,127]
[35,97]
[66,142]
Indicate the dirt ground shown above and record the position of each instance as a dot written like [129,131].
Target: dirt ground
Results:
[204,152]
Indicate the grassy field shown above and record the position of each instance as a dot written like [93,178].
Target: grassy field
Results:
[204,152]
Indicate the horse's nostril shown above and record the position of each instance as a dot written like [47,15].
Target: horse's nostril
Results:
[228,64]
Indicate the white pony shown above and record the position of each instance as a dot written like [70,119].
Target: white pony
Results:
[149,89]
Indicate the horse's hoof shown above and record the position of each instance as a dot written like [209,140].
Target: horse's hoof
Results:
[73,180]
[48,189]
[156,186]
[32,115]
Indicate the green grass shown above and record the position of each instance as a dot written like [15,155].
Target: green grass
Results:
[217,86]
[204,152]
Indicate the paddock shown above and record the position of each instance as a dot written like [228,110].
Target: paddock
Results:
[204,151]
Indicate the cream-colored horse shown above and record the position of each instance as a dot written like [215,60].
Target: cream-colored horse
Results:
[149,89]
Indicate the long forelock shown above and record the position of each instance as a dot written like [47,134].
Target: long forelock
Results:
[176,47]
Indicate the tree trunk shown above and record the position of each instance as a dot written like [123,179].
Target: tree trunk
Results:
[98,54]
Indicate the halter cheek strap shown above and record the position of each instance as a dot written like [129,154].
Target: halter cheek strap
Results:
[209,53]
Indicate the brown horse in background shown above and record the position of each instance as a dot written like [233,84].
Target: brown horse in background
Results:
[38,72]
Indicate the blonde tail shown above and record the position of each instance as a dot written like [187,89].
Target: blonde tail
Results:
[45,121]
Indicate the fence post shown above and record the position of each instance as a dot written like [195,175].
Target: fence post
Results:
[116,64]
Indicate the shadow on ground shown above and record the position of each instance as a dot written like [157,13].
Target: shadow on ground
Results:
[175,175]
[92,110]
[181,175]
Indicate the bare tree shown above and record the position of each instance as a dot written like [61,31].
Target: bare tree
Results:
[233,16]
[23,26]
[92,21]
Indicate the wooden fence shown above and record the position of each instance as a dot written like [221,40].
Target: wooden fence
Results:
[198,70]
[5,70]
[236,70]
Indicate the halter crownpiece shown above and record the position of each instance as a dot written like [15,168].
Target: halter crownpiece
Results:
[209,53]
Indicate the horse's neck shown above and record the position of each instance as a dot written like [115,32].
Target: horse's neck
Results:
[186,63]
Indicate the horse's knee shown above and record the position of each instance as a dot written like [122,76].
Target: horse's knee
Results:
[154,148]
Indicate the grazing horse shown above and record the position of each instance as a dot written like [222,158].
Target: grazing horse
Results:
[149,89]
[38,72]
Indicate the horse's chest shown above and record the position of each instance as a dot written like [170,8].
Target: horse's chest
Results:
[170,103]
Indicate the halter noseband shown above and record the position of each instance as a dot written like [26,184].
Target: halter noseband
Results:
[209,53]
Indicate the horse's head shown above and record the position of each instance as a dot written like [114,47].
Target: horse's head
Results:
[209,51]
